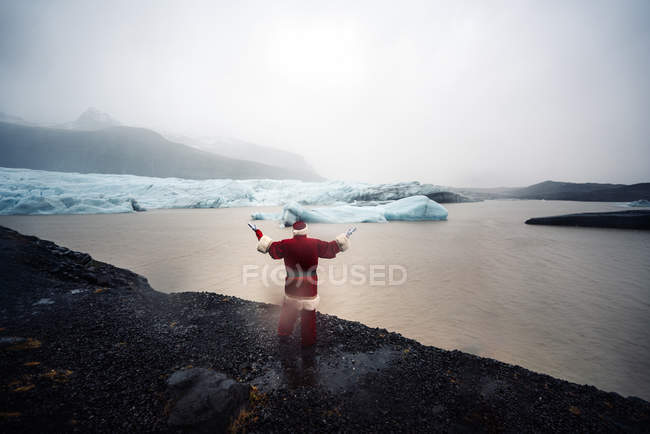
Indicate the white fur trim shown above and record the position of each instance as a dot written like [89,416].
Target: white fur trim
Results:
[343,242]
[302,231]
[302,303]
[264,244]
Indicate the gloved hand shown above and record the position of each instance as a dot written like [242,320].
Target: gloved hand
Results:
[350,231]
[258,232]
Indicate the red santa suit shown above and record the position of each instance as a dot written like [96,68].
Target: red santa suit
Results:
[300,255]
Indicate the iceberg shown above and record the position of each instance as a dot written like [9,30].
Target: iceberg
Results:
[639,203]
[413,208]
[26,191]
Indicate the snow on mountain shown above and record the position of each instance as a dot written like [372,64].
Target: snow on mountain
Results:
[25,191]
[90,120]
[242,150]
[5,117]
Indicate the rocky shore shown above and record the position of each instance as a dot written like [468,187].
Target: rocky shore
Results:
[88,347]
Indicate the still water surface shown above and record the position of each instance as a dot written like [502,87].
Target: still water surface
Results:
[570,302]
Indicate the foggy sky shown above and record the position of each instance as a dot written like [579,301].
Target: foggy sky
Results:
[484,93]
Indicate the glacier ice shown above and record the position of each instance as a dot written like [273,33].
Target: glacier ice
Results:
[25,191]
[413,208]
[639,203]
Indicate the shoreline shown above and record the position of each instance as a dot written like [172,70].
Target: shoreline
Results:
[106,342]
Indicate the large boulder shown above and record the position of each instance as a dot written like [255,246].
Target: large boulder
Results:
[205,400]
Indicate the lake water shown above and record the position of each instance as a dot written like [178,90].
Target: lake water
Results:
[570,302]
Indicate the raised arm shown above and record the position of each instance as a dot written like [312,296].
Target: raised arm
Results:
[267,245]
[274,248]
[329,249]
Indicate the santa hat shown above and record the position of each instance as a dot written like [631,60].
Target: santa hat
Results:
[300,228]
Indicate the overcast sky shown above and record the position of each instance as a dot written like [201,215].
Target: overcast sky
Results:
[484,93]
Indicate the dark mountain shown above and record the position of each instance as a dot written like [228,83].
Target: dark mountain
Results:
[124,150]
[554,190]
[551,190]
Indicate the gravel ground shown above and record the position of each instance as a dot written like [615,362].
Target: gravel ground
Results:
[85,346]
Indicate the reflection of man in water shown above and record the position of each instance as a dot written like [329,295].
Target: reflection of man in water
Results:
[300,255]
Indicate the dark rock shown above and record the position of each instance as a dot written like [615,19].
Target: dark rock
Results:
[449,197]
[10,340]
[90,277]
[136,206]
[103,280]
[205,400]
[636,219]
[85,258]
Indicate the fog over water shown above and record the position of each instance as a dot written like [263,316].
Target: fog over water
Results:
[454,93]
[570,302]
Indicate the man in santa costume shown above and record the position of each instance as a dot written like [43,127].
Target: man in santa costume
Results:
[300,255]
